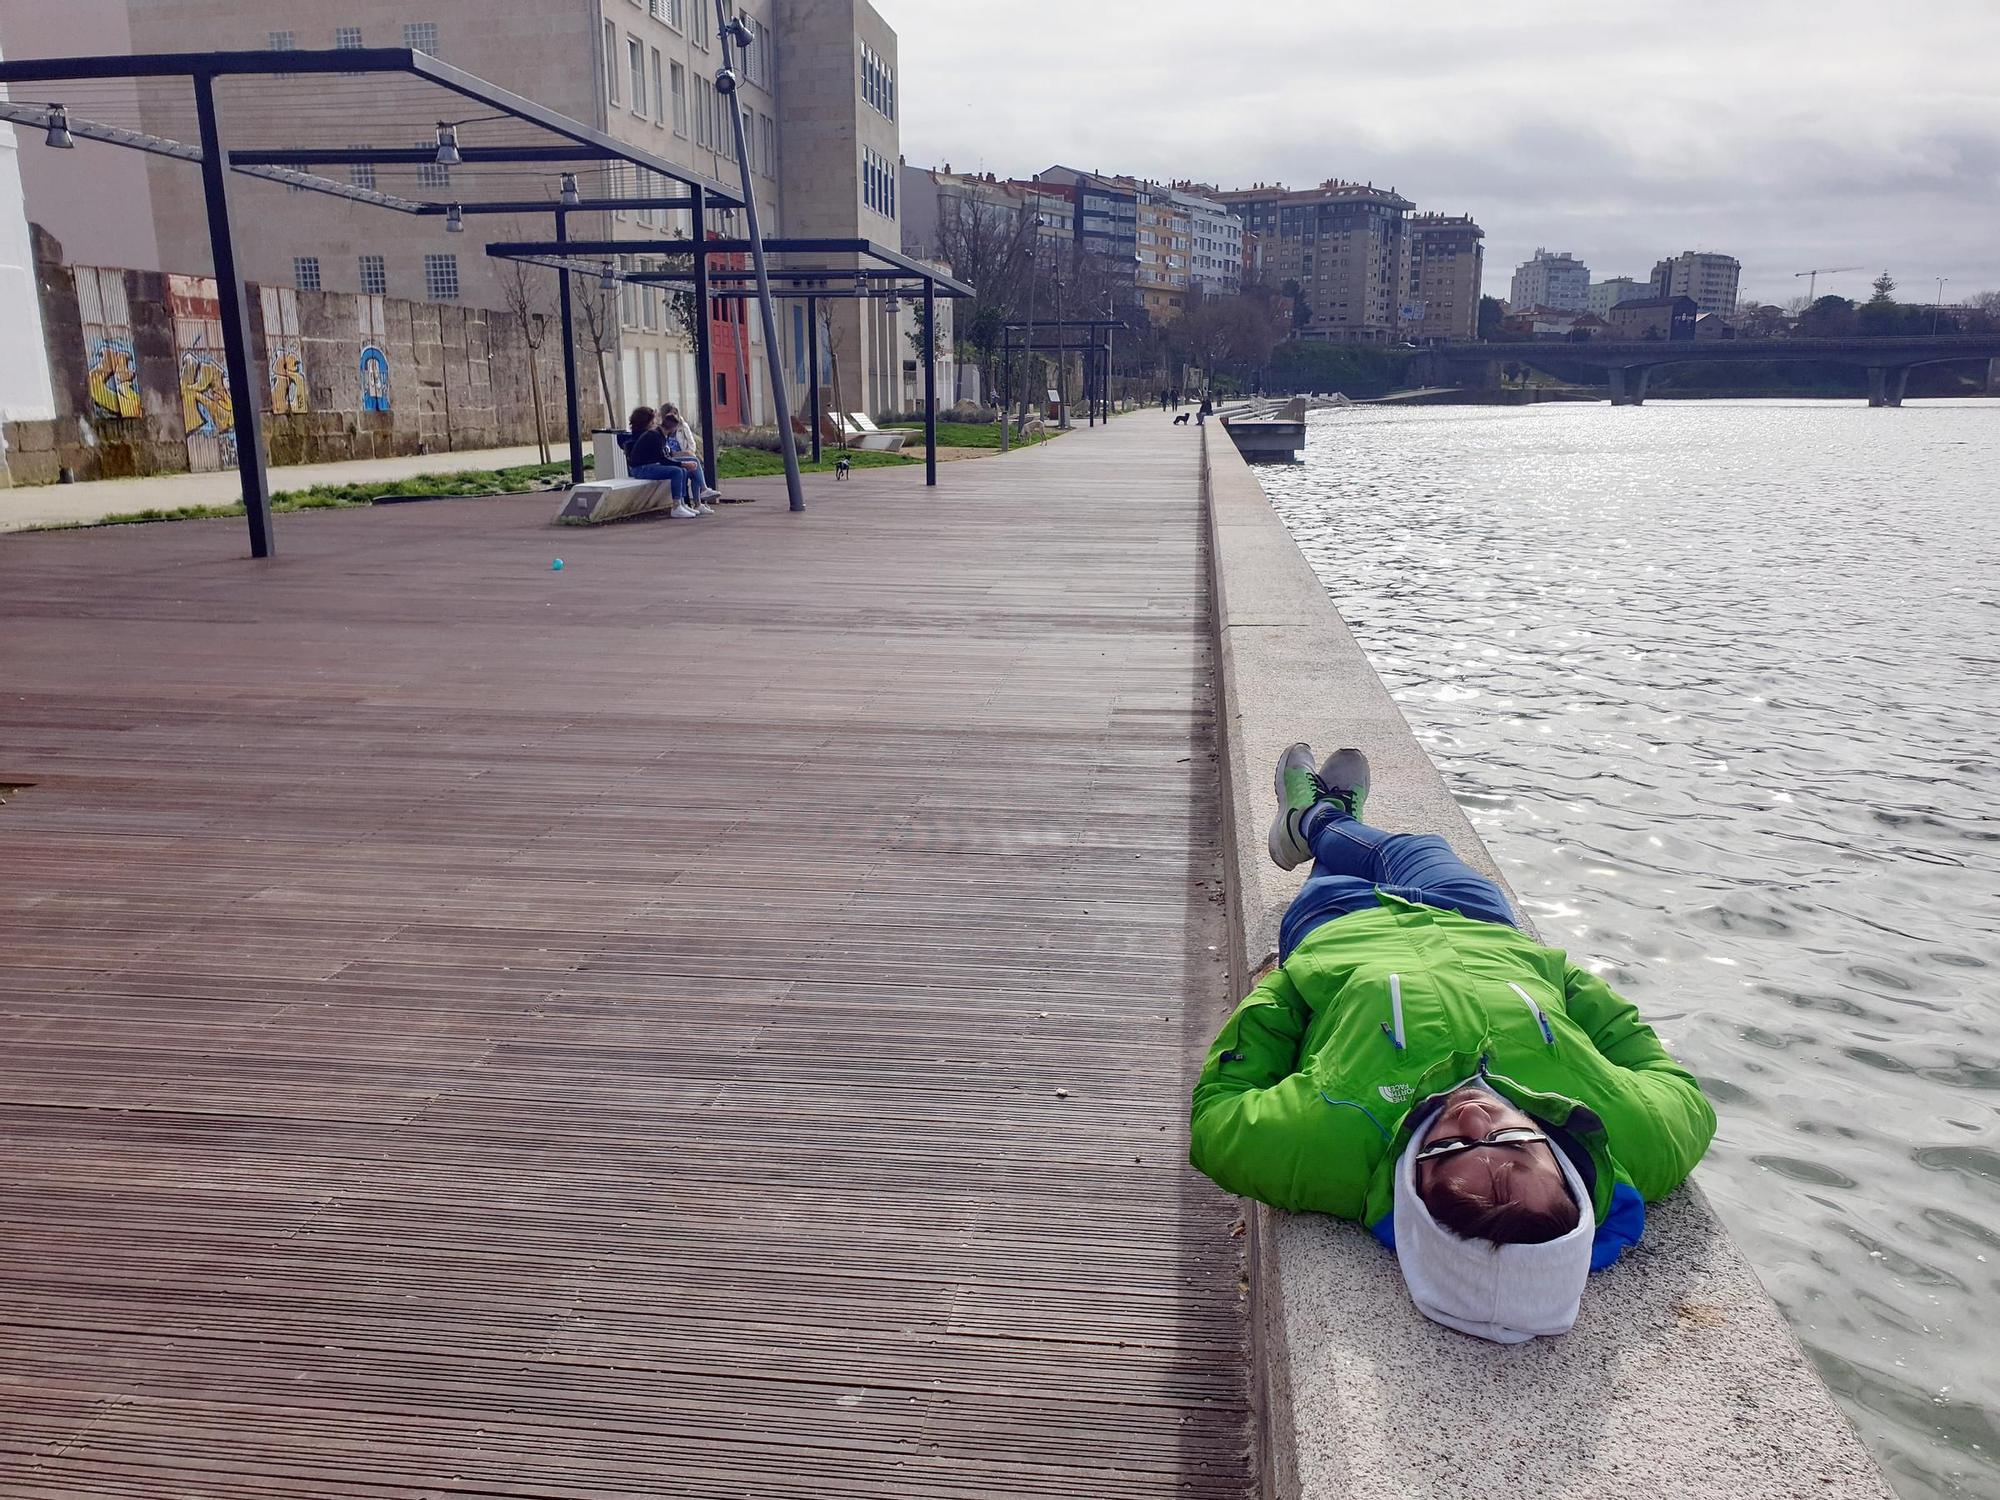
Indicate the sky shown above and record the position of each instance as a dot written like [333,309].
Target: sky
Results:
[1791,134]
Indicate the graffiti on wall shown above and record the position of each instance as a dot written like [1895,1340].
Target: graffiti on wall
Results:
[374,378]
[373,313]
[107,342]
[208,415]
[285,351]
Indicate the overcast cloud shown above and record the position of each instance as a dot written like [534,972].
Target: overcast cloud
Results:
[1789,133]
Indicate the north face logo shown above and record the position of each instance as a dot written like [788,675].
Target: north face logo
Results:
[1396,1093]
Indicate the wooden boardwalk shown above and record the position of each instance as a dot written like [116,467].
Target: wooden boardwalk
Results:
[473,1029]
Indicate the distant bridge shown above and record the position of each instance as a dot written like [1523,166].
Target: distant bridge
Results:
[1631,362]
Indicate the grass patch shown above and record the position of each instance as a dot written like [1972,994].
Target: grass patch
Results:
[969,434]
[755,463]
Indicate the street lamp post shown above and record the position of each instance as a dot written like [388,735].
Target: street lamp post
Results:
[1937,307]
[725,84]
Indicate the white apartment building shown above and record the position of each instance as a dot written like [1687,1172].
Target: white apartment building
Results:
[1551,279]
[1215,241]
[820,99]
[1709,278]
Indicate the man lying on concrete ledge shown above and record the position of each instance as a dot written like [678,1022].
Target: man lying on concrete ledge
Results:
[1496,1115]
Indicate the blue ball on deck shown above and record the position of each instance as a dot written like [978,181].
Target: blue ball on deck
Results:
[556,566]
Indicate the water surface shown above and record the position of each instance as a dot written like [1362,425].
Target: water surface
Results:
[1719,684]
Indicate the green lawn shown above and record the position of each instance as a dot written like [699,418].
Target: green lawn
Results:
[753,463]
[968,434]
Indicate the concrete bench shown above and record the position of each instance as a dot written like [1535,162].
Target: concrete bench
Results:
[857,431]
[601,500]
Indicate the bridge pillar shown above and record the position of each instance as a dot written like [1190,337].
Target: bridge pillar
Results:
[1628,384]
[1886,384]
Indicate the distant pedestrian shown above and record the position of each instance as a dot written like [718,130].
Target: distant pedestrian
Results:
[1163,399]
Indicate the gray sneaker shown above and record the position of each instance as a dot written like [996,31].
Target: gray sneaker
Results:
[1298,787]
[1344,779]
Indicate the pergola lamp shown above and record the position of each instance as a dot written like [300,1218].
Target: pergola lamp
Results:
[447,155]
[740,34]
[58,135]
[454,220]
[569,197]
[605,279]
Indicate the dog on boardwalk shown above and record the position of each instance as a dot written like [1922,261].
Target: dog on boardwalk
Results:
[1182,419]
[843,467]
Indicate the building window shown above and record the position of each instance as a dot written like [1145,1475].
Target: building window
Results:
[704,112]
[680,83]
[421,36]
[441,278]
[659,89]
[700,31]
[362,173]
[374,276]
[430,174]
[305,272]
[878,82]
[611,62]
[284,41]
[878,182]
[635,63]
[769,156]
[667,12]
[347,38]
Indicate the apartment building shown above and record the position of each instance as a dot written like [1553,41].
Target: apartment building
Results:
[1344,243]
[1215,263]
[1165,236]
[820,100]
[1106,219]
[939,204]
[1709,278]
[1553,279]
[1446,260]
[1608,293]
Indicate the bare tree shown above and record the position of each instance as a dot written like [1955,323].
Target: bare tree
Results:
[525,290]
[595,299]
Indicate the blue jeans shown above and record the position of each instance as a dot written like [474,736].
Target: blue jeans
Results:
[678,479]
[1352,861]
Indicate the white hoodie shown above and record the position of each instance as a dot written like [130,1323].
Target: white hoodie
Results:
[1506,1293]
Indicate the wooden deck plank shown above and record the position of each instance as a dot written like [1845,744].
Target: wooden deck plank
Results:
[467,1028]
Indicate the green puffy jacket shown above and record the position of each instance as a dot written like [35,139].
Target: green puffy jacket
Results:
[1306,1094]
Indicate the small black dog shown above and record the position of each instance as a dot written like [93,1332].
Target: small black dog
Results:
[843,467]
[1181,420]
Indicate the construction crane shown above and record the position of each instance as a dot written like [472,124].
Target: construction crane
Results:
[1812,286]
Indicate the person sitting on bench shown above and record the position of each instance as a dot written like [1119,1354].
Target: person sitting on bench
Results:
[690,459]
[1496,1115]
[648,455]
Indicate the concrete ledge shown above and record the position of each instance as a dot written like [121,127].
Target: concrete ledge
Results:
[1680,1379]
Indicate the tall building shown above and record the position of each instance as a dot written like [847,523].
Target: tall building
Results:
[1106,219]
[1551,279]
[940,206]
[1709,278]
[1446,260]
[1608,293]
[1165,233]
[819,93]
[1215,263]
[1343,243]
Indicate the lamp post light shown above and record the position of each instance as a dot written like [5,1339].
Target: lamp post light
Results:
[59,136]
[447,152]
[1937,307]
[454,219]
[569,197]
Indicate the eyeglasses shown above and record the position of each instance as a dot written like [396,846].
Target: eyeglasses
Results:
[1507,1135]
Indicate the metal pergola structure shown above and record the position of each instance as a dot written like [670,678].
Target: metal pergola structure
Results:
[891,277]
[269,115]
[1083,335]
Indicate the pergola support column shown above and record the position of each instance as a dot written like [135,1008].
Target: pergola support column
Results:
[247,394]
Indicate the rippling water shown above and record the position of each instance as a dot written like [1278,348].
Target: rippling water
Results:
[1719,683]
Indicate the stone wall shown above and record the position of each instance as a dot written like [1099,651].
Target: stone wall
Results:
[457,378]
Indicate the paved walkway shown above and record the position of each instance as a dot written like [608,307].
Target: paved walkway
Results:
[712,1021]
[41,504]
